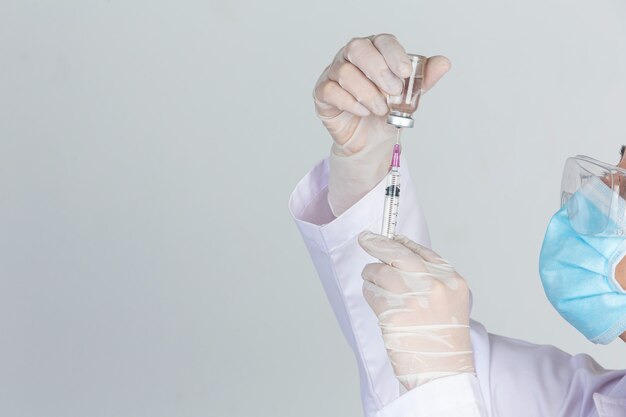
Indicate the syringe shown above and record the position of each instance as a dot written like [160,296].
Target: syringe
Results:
[401,108]
[392,193]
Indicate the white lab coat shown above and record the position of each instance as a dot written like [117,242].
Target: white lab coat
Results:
[514,378]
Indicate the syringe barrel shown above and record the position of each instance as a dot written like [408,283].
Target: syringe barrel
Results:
[392,201]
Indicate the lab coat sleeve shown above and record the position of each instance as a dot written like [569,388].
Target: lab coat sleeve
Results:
[521,379]
[339,260]
[608,406]
[453,396]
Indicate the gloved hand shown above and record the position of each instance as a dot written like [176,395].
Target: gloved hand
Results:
[422,305]
[350,100]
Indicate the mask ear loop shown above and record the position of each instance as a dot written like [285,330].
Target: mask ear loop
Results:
[619,214]
[616,213]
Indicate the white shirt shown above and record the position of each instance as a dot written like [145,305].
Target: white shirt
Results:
[514,378]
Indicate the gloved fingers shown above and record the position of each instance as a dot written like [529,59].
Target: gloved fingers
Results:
[394,309]
[394,54]
[331,100]
[391,252]
[394,281]
[438,306]
[427,254]
[436,67]
[403,311]
[381,300]
[352,79]
[371,61]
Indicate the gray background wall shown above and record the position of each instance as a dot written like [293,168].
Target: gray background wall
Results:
[148,264]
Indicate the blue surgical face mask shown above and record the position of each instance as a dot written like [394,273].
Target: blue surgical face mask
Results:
[578,271]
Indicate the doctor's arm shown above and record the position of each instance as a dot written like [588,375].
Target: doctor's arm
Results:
[339,260]
[342,196]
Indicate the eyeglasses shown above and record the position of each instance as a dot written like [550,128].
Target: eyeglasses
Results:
[593,193]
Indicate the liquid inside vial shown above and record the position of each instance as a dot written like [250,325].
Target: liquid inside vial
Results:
[404,105]
[407,102]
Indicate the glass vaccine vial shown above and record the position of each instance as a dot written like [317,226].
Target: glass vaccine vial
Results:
[404,105]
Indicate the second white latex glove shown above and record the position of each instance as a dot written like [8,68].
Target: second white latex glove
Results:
[422,305]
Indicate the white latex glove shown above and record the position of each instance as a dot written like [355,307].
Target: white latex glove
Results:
[422,305]
[350,99]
